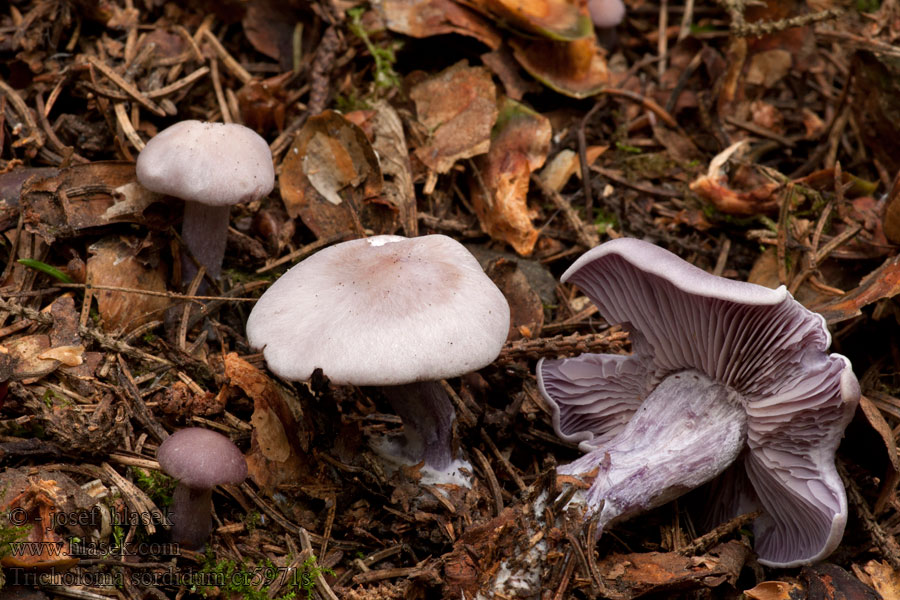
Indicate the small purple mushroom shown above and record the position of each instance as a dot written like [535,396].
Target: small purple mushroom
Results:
[722,371]
[210,166]
[388,311]
[199,459]
[606,13]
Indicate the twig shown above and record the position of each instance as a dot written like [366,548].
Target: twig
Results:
[886,543]
[126,87]
[320,76]
[171,295]
[230,63]
[520,483]
[126,381]
[587,235]
[708,539]
[493,484]
[321,584]
[610,341]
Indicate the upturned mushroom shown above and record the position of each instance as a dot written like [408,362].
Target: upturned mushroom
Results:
[722,372]
[393,312]
[199,459]
[210,166]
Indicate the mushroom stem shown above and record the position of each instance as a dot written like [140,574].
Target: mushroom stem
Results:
[204,232]
[191,516]
[427,415]
[687,431]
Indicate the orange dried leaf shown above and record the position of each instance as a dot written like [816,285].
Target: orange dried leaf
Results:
[883,282]
[519,145]
[278,443]
[552,19]
[714,187]
[776,590]
[576,69]
[883,578]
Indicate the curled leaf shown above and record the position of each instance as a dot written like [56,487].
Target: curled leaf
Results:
[576,69]
[519,145]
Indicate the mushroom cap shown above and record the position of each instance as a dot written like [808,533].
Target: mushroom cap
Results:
[606,13]
[384,310]
[201,459]
[218,164]
[759,342]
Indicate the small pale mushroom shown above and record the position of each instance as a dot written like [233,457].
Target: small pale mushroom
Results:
[210,166]
[393,312]
[199,459]
[606,13]
[722,372]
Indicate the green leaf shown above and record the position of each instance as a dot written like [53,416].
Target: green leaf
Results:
[46,269]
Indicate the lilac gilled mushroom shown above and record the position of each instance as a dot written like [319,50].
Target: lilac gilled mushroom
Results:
[388,311]
[199,459]
[722,371]
[210,166]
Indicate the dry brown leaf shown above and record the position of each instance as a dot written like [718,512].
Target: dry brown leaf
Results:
[526,311]
[892,212]
[769,67]
[278,444]
[70,356]
[114,262]
[576,69]
[390,144]
[499,189]
[875,105]
[631,575]
[263,103]
[425,18]
[24,355]
[84,196]
[715,188]
[269,26]
[458,106]
[881,576]
[330,176]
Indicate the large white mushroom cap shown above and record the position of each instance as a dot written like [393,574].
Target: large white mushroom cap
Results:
[218,164]
[384,310]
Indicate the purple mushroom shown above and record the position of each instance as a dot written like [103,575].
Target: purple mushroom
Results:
[388,311]
[722,371]
[199,459]
[210,166]
[606,13]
